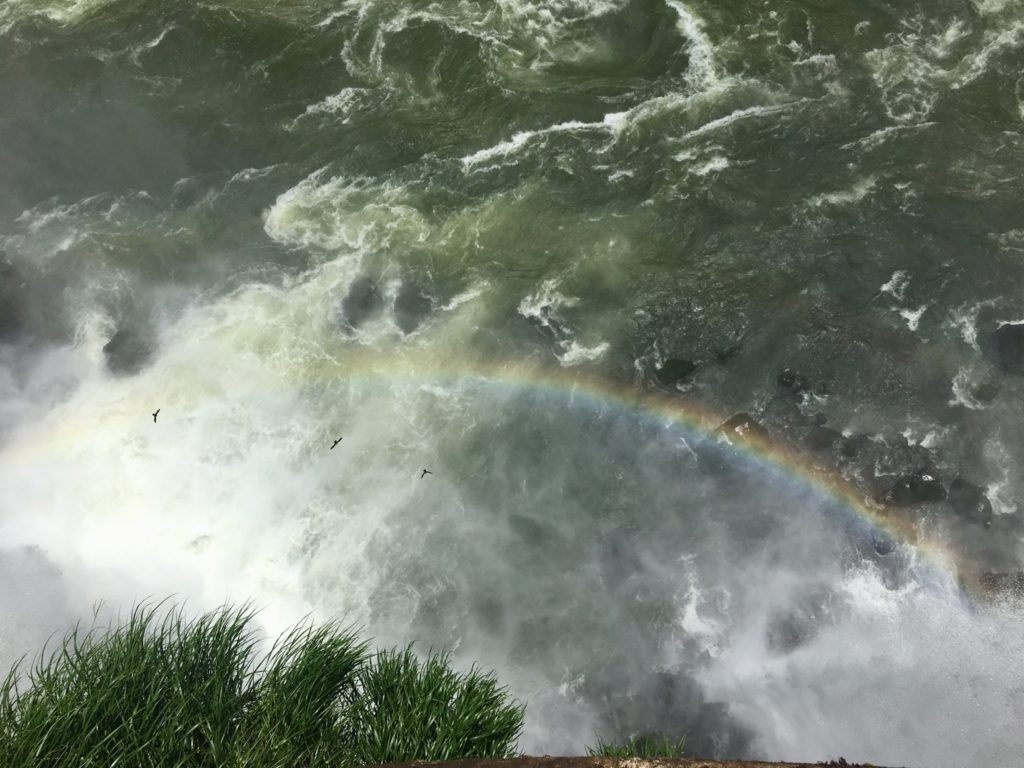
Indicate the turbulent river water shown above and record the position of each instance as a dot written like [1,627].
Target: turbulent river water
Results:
[541,248]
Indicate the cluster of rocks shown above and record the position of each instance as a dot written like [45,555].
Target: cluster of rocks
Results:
[966,499]
[921,485]
[901,477]
[132,347]
[364,301]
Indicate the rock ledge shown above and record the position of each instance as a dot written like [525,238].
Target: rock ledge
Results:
[614,762]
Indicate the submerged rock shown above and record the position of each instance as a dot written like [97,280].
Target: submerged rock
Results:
[411,307]
[854,445]
[127,352]
[821,438]
[724,354]
[986,391]
[796,383]
[917,488]
[728,348]
[1009,342]
[674,370]
[743,426]
[970,502]
[882,544]
[362,302]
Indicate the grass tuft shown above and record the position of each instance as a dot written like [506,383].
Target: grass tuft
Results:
[639,746]
[158,684]
[160,689]
[412,710]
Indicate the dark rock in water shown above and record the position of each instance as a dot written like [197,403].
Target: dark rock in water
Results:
[411,307]
[793,627]
[883,545]
[1009,341]
[917,488]
[794,382]
[727,352]
[10,300]
[854,446]
[127,352]
[986,391]
[819,419]
[970,502]
[744,427]
[729,345]
[821,438]
[674,371]
[362,302]
[786,633]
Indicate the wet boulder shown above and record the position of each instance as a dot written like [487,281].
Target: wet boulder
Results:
[796,625]
[821,438]
[793,382]
[744,427]
[882,544]
[918,488]
[674,371]
[127,352]
[854,445]
[724,354]
[785,633]
[361,303]
[1009,345]
[986,391]
[970,502]
[728,348]
[411,307]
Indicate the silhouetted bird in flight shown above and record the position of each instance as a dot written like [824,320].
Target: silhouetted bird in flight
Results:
[336,443]
[154,415]
[425,473]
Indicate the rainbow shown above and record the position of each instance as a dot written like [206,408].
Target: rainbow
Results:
[574,386]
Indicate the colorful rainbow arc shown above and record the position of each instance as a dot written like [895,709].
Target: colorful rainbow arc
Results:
[571,384]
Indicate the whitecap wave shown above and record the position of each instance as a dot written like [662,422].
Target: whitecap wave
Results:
[341,213]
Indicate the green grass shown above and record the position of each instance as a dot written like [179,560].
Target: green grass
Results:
[160,689]
[424,708]
[640,746]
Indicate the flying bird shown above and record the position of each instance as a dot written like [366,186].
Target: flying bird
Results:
[425,473]
[155,414]
[336,443]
